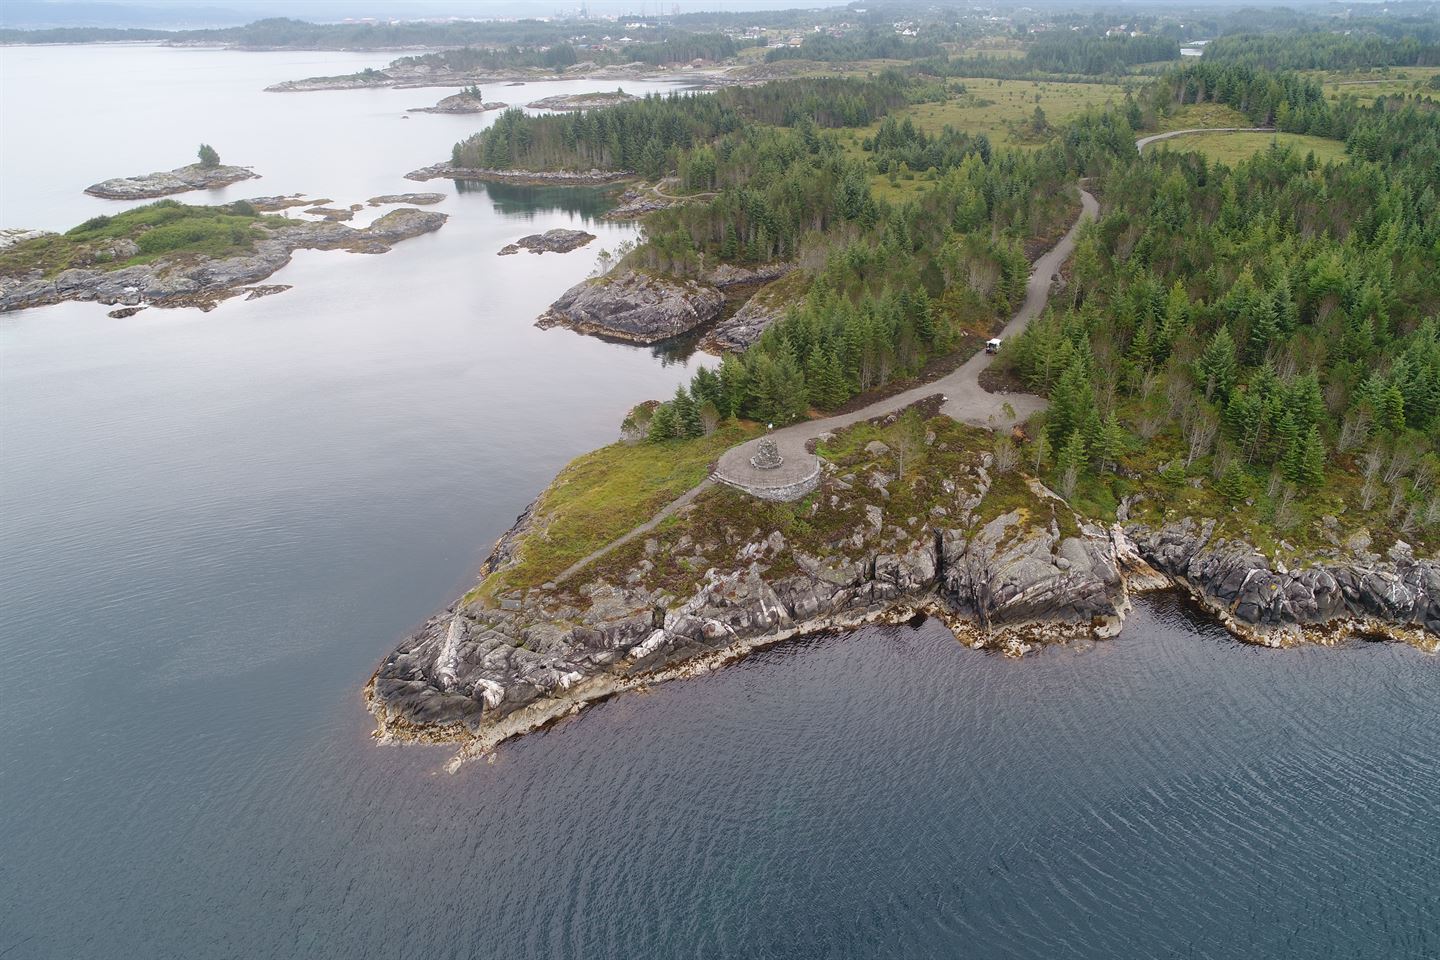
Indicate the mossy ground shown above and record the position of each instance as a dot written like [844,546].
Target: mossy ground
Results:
[164,228]
[924,481]
[602,495]
[723,521]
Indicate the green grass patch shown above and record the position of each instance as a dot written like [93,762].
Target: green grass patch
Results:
[1367,85]
[602,495]
[1231,148]
[163,228]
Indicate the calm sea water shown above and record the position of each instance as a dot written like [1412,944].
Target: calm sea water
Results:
[212,526]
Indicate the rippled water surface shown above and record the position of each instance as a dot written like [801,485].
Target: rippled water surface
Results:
[212,526]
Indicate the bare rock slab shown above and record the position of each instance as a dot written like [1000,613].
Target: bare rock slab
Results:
[166,182]
[558,240]
[636,307]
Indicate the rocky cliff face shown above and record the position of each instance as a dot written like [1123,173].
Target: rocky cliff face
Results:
[204,281]
[1398,597]
[635,306]
[481,675]
[164,183]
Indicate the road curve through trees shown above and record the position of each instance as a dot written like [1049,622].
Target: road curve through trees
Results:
[965,400]
[1144,142]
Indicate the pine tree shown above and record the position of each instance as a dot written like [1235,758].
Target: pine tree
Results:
[730,246]
[1234,484]
[1305,467]
[1110,445]
[1216,367]
[1072,453]
[687,415]
[662,424]
[208,156]
[834,390]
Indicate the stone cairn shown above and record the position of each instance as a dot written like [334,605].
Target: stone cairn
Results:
[768,456]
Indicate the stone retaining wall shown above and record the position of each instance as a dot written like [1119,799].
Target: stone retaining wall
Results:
[779,493]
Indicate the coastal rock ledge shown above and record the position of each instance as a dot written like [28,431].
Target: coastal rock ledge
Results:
[478,675]
[164,183]
[636,307]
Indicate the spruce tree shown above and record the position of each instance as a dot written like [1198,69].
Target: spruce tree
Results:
[1216,366]
[687,415]
[662,424]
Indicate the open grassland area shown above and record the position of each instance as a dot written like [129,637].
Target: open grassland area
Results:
[1003,110]
[602,495]
[1365,86]
[998,108]
[140,235]
[1231,148]
[1194,115]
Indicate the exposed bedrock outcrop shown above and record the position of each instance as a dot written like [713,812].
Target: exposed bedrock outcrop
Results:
[1270,604]
[744,327]
[459,103]
[480,675]
[166,182]
[188,280]
[558,240]
[634,306]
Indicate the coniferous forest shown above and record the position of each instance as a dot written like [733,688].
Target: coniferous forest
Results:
[1263,328]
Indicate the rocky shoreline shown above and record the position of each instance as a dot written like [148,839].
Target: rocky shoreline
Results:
[582,101]
[166,182]
[645,308]
[188,280]
[703,594]
[445,170]
[416,199]
[558,240]
[404,76]
[634,307]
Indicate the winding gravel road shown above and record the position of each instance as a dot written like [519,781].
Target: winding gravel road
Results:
[966,401]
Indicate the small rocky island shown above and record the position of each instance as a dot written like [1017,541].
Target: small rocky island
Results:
[180,180]
[583,101]
[169,254]
[416,199]
[463,102]
[558,240]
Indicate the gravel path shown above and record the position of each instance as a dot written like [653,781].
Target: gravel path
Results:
[965,400]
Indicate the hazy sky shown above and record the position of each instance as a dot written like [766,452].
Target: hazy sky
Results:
[191,13]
